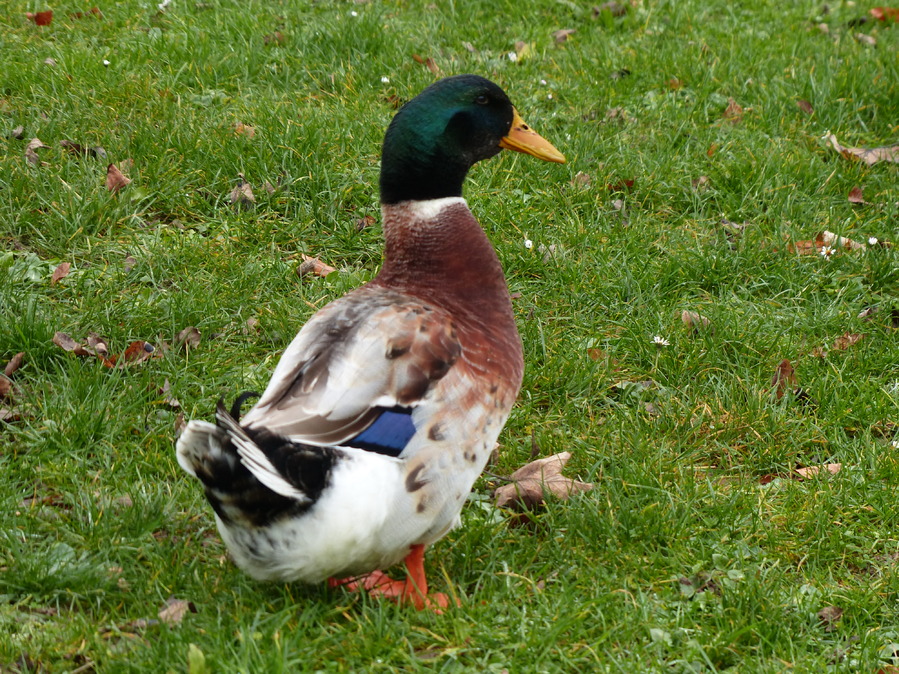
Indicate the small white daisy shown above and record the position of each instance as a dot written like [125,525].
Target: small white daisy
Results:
[549,96]
[872,241]
[105,63]
[660,341]
[528,244]
[385,79]
[512,56]
[543,82]
[826,252]
[895,443]
[354,13]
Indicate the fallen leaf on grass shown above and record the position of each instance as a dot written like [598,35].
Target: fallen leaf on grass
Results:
[61,271]
[581,179]
[167,397]
[98,344]
[674,84]
[364,222]
[93,11]
[701,184]
[522,50]
[829,615]
[612,7]
[66,343]
[870,156]
[694,320]
[530,483]
[175,609]
[831,239]
[241,129]
[17,134]
[428,62]
[312,265]
[619,115]
[734,112]
[784,379]
[855,196]
[5,387]
[7,416]
[14,364]
[885,13]
[189,337]
[864,38]
[843,342]
[115,179]
[31,149]
[41,18]
[805,106]
[563,34]
[621,185]
[242,195]
[812,471]
[276,38]
[76,148]
[137,352]
[129,264]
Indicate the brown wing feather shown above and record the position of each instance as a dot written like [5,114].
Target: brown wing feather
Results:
[351,359]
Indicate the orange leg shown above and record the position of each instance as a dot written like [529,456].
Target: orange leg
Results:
[413,590]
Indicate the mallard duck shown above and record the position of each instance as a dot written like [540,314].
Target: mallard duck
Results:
[384,409]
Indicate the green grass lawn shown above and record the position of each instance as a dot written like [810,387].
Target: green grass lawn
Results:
[698,549]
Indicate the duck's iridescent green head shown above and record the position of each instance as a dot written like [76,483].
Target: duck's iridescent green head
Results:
[436,137]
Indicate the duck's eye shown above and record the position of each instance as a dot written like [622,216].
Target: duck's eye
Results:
[482,99]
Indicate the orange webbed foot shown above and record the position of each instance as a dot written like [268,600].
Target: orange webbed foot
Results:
[413,590]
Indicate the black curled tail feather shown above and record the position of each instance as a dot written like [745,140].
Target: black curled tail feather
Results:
[238,403]
[296,466]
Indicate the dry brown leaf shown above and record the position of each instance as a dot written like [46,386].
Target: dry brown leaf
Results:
[129,264]
[276,38]
[364,222]
[674,84]
[167,396]
[61,271]
[563,34]
[432,66]
[831,239]
[41,18]
[8,416]
[581,179]
[115,179]
[469,47]
[14,364]
[522,49]
[869,156]
[694,320]
[734,112]
[268,187]
[18,133]
[530,483]
[180,424]
[242,195]
[31,149]
[701,184]
[805,106]
[812,471]
[97,344]
[807,247]
[5,387]
[784,379]
[855,196]
[312,265]
[189,337]
[137,352]
[885,13]
[66,343]
[242,129]
[175,609]
[619,115]
[612,7]
[864,38]
[711,151]
[843,342]
[829,616]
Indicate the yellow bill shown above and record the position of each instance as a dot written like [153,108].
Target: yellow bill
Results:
[522,138]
